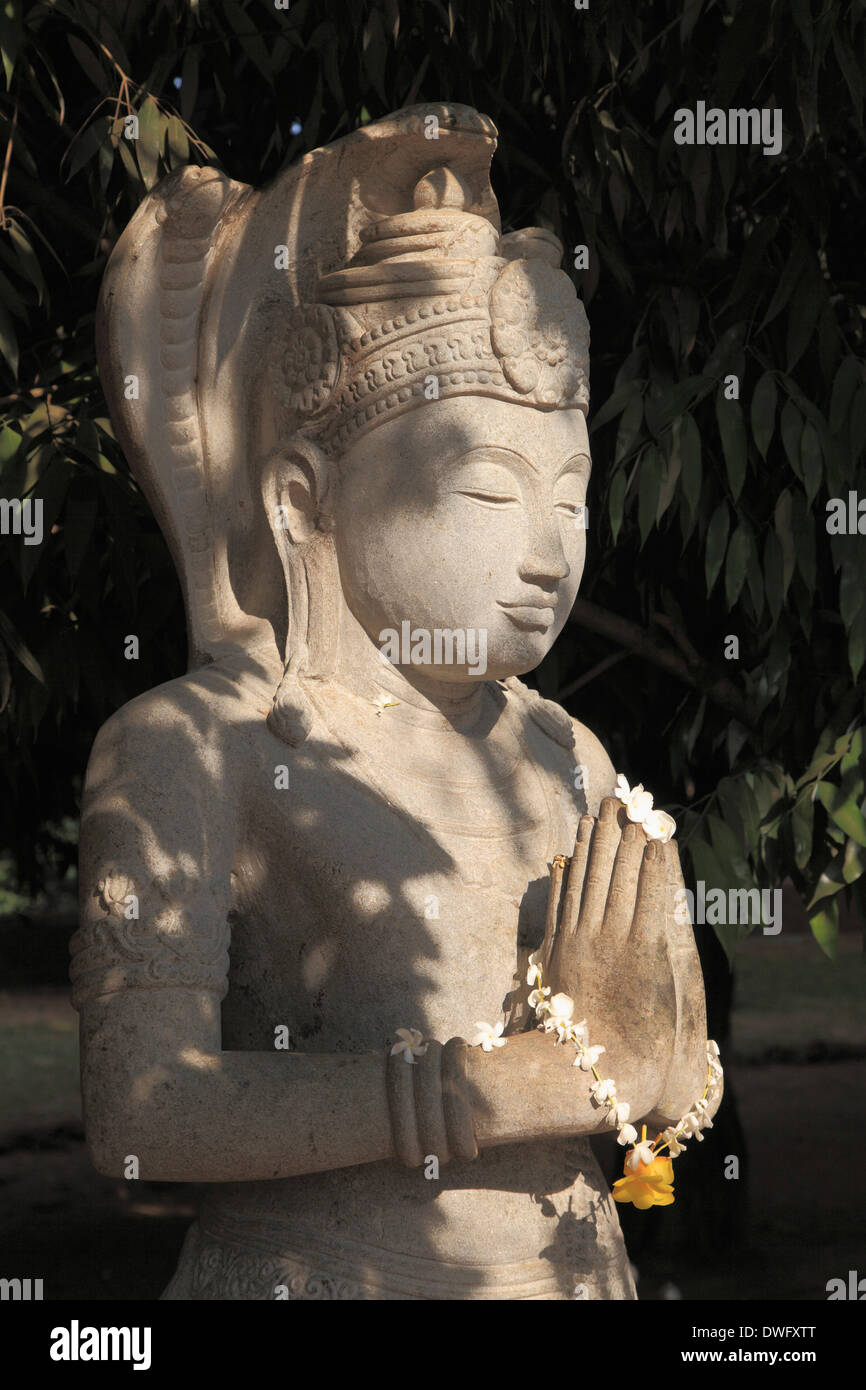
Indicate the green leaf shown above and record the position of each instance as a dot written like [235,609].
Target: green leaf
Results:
[27,259]
[8,341]
[151,137]
[728,849]
[854,863]
[830,882]
[670,475]
[845,383]
[616,501]
[853,755]
[857,425]
[692,472]
[811,460]
[19,648]
[736,565]
[825,927]
[784,530]
[649,486]
[774,587]
[788,281]
[845,812]
[89,63]
[803,523]
[189,82]
[792,431]
[803,316]
[857,644]
[178,142]
[629,429]
[764,412]
[615,404]
[734,446]
[717,540]
[850,65]
[802,821]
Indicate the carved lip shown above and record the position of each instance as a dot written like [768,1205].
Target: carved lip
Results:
[538,614]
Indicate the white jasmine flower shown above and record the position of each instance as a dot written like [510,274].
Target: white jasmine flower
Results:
[559,1016]
[637,802]
[619,1112]
[658,825]
[382,702]
[602,1091]
[538,1000]
[713,1048]
[412,1044]
[533,974]
[627,1134]
[622,789]
[489,1037]
[674,1140]
[562,1007]
[641,1153]
[589,1057]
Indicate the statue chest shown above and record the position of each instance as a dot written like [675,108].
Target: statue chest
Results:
[363,905]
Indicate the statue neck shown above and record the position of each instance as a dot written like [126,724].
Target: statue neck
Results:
[360,670]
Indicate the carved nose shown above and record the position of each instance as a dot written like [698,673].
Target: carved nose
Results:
[541,570]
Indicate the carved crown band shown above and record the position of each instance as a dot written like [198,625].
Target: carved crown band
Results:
[526,340]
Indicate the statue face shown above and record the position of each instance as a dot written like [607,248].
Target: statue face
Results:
[465,515]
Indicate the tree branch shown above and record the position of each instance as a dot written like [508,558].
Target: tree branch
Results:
[634,639]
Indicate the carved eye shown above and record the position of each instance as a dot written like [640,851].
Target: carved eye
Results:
[569,496]
[570,509]
[490,499]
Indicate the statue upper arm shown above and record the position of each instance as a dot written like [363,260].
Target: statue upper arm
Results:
[155,864]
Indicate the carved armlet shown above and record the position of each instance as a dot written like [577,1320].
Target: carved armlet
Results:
[177,935]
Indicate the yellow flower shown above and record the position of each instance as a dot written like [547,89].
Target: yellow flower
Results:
[651,1185]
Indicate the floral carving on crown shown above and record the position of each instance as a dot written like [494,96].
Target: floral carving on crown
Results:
[310,360]
[539,334]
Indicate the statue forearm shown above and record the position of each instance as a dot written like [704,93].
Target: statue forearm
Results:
[190,1111]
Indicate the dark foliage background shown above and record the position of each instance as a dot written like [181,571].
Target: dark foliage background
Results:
[707,515]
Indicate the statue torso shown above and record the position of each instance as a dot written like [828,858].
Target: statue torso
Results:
[399,880]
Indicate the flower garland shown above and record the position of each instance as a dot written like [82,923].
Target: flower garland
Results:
[648,1179]
[648,1173]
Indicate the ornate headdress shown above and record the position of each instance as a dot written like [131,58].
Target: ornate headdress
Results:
[435,301]
[368,271]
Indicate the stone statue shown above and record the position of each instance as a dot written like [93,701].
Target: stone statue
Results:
[359,413]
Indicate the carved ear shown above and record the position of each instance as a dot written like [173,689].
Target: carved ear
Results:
[295,484]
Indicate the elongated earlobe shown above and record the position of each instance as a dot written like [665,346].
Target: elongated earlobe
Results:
[295,485]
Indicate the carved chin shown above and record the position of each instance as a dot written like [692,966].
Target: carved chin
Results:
[518,652]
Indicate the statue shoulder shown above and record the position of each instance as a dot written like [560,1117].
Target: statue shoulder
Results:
[159,828]
[597,770]
[599,775]
[188,730]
